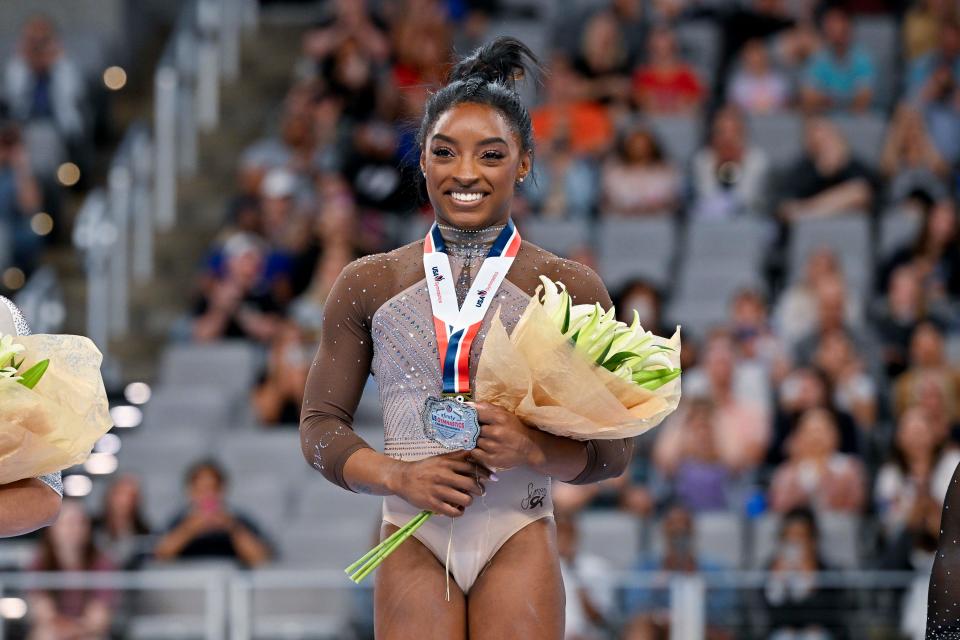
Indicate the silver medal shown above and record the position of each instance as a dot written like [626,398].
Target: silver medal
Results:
[451,423]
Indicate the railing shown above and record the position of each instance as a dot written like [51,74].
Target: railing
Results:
[229,595]
[116,227]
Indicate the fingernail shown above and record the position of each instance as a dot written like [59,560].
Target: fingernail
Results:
[494,477]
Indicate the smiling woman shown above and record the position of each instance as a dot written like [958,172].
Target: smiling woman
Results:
[417,318]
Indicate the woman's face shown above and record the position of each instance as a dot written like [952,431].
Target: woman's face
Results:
[816,435]
[942,222]
[125,495]
[72,528]
[472,161]
[639,148]
[914,432]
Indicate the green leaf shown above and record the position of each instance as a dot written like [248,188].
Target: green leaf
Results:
[32,376]
[653,385]
[566,314]
[617,359]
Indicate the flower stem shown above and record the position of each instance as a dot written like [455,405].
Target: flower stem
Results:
[375,556]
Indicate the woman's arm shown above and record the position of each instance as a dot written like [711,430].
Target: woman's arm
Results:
[445,484]
[943,618]
[27,505]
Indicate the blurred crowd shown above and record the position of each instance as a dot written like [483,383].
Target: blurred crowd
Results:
[813,398]
[53,117]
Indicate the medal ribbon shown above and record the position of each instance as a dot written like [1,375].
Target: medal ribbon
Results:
[456,327]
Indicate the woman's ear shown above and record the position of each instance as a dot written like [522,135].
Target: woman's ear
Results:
[423,164]
[526,163]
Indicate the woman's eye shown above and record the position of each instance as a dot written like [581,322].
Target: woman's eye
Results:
[492,155]
[442,152]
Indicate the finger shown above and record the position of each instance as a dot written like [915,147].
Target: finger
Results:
[459,454]
[455,497]
[487,413]
[439,506]
[470,469]
[469,484]
[484,459]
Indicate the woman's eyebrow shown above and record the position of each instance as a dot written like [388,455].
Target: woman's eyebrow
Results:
[494,140]
[440,136]
[485,141]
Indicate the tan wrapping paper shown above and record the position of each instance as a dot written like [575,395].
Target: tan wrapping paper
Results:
[537,374]
[54,425]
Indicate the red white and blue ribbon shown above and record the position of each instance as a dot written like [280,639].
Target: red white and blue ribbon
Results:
[456,327]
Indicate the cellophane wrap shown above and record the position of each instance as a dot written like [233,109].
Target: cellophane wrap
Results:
[54,425]
[538,375]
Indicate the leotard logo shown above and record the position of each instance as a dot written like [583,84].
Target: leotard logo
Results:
[535,497]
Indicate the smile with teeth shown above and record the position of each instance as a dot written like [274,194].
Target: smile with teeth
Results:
[461,196]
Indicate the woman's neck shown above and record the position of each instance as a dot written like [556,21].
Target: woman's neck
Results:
[466,240]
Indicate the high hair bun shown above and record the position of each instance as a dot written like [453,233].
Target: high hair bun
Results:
[504,60]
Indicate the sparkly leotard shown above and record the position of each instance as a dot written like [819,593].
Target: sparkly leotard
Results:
[378,319]
[12,322]
[943,599]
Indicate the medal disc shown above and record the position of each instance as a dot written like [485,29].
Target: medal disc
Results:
[451,423]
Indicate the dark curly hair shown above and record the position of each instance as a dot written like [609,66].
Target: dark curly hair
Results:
[488,76]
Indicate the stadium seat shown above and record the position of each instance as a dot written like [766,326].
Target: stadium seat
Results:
[848,235]
[700,45]
[878,35]
[556,236]
[897,228]
[679,136]
[739,241]
[231,365]
[612,535]
[780,135]
[719,538]
[864,132]
[635,248]
[262,452]
[198,409]
[839,544]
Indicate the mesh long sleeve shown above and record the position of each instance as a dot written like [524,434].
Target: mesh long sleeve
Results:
[337,377]
[943,600]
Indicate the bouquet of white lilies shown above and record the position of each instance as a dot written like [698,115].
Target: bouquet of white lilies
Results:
[53,406]
[574,370]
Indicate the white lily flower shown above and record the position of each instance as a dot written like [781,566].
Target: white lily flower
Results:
[8,350]
[556,302]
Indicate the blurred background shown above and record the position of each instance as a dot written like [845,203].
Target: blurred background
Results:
[183,181]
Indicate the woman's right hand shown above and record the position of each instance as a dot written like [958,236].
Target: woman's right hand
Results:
[444,484]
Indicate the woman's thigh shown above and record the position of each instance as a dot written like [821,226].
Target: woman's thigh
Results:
[410,596]
[520,593]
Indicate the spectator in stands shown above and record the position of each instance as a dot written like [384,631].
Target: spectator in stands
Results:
[854,390]
[797,606]
[934,253]
[753,337]
[121,527]
[827,180]
[945,56]
[602,61]
[831,305]
[697,476]
[42,86]
[896,316]
[294,148]
[816,474]
[922,24]
[937,100]
[563,185]
[344,20]
[279,393]
[649,607]
[805,389]
[589,600]
[236,306]
[666,85]
[730,177]
[795,315]
[841,75]
[567,115]
[68,545]
[208,527]
[740,425]
[928,364]
[910,160]
[645,298]
[20,199]
[921,464]
[638,180]
[757,87]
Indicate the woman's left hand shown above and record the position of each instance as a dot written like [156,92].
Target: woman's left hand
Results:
[505,441]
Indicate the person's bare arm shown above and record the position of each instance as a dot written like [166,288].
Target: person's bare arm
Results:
[171,544]
[852,195]
[251,549]
[27,505]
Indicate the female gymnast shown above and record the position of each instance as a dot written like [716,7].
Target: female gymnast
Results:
[394,315]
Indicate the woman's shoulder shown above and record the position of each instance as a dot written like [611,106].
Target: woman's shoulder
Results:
[10,315]
[583,283]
